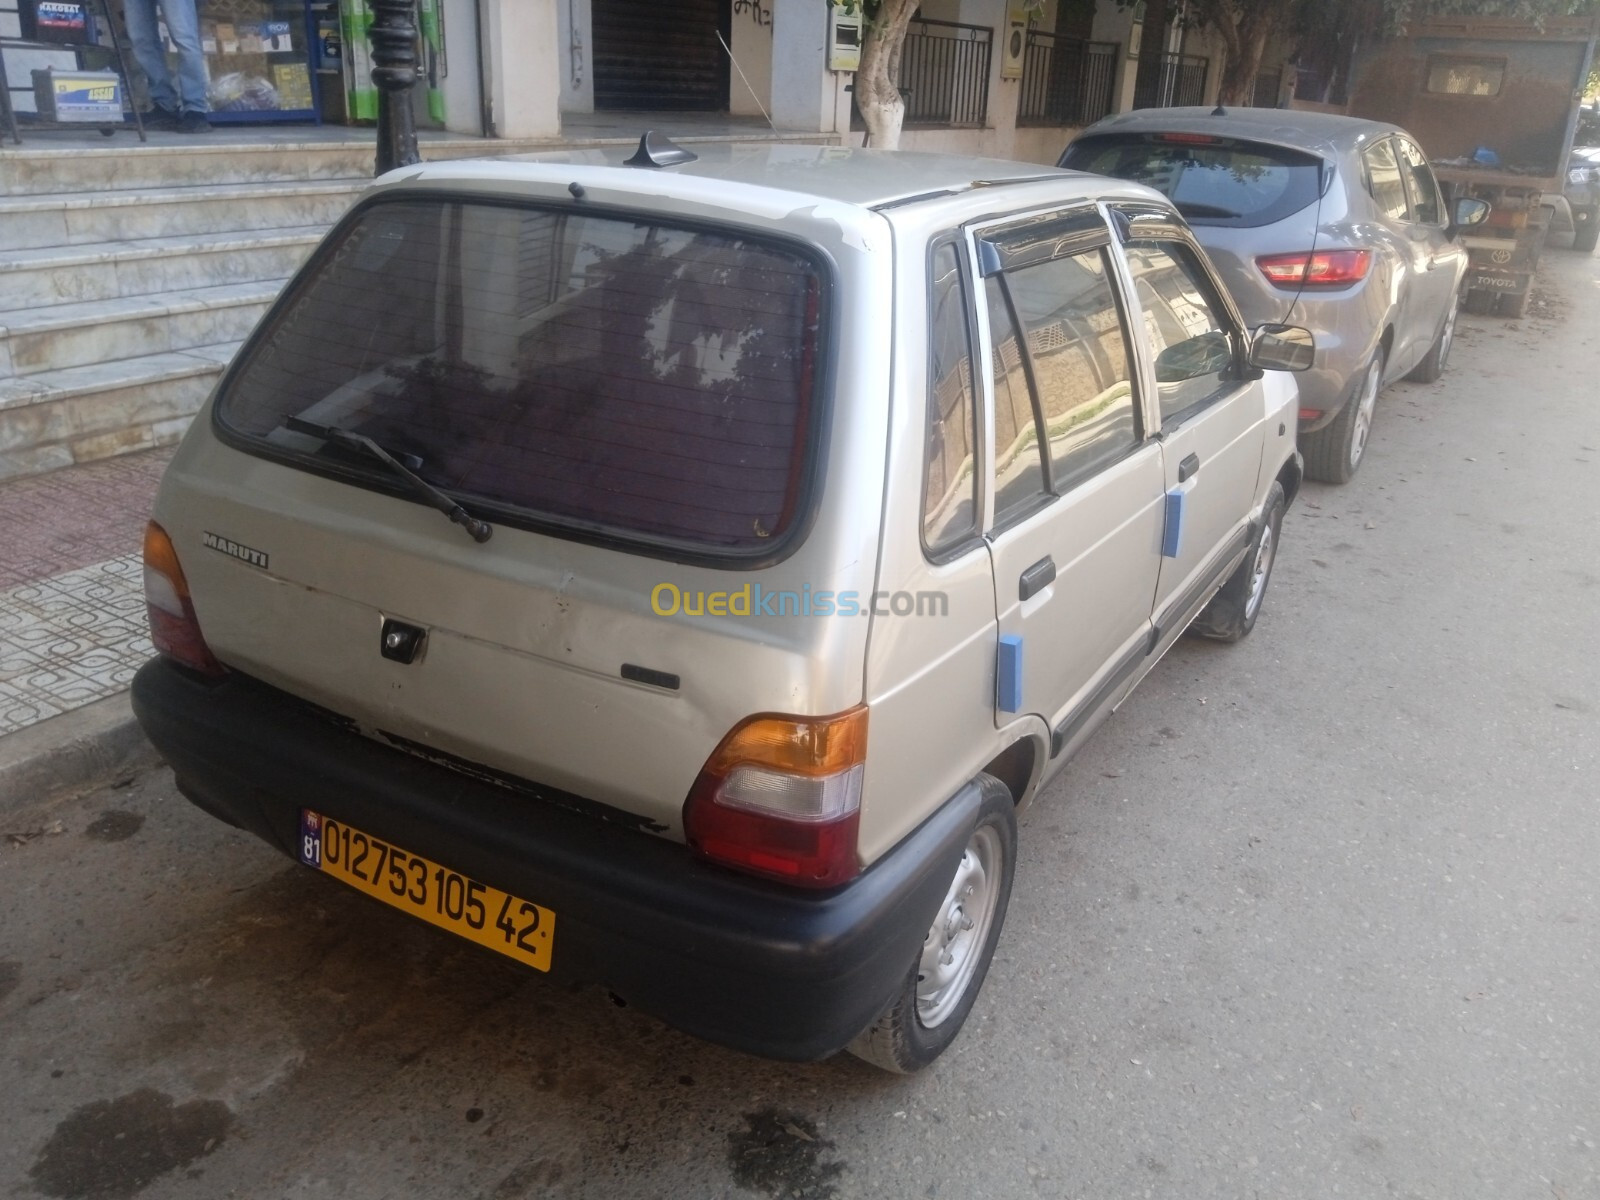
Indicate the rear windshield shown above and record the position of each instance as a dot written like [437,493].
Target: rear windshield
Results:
[605,375]
[1218,181]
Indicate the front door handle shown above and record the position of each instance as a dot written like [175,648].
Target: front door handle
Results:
[1036,578]
[1189,465]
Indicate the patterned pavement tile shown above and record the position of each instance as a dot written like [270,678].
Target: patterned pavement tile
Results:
[71,518]
[70,639]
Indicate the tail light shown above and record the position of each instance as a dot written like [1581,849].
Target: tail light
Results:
[173,626]
[1321,268]
[781,797]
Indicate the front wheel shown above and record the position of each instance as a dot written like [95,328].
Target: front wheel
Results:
[924,1017]
[1583,238]
[1333,454]
[1432,366]
[1233,610]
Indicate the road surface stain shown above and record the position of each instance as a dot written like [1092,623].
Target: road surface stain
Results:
[112,1149]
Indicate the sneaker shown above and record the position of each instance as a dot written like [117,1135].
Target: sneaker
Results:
[193,122]
[159,118]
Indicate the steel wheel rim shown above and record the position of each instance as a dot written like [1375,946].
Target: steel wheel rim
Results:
[1447,339]
[1364,410]
[1260,571]
[954,946]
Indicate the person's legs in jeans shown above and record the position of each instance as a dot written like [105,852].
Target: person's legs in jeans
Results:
[150,54]
[184,28]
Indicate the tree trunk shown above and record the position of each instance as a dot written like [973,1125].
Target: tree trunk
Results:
[878,77]
[1245,34]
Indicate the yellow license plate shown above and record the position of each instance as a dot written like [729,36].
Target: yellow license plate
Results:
[517,928]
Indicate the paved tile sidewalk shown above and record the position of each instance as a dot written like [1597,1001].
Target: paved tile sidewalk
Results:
[72,622]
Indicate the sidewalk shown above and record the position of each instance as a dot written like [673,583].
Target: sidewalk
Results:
[72,619]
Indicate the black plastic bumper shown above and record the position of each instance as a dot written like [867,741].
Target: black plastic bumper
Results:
[734,960]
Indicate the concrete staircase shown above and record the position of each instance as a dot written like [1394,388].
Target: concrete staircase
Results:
[130,274]
[128,277]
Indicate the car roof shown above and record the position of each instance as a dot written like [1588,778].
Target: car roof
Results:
[1317,132]
[863,178]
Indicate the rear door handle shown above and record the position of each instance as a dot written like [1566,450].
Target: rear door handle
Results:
[1189,465]
[1036,578]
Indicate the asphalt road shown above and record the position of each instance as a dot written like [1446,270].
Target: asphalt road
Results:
[1316,915]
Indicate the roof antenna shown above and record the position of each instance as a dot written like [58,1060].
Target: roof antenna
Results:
[657,151]
[1219,111]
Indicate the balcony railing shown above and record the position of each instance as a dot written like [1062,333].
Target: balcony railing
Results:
[944,73]
[1181,81]
[1066,81]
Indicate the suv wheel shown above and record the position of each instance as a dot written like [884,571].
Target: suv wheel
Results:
[925,1016]
[1333,454]
[1583,240]
[1233,610]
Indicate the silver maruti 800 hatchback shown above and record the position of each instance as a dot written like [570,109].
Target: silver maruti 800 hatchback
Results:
[799,511]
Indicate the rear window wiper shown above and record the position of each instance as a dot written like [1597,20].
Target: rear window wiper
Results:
[481,531]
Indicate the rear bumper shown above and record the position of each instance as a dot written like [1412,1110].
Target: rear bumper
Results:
[738,961]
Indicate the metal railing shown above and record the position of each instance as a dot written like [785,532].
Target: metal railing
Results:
[944,73]
[1066,81]
[1265,92]
[1181,80]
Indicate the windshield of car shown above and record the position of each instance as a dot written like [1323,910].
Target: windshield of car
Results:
[1211,180]
[607,375]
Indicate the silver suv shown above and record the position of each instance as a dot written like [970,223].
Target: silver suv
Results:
[800,510]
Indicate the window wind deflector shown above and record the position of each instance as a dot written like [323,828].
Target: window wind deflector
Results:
[481,531]
[1043,239]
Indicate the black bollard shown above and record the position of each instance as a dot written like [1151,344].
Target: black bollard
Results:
[394,71]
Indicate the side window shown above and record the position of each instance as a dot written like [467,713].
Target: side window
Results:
[1424,188]
[1080,363]
[1383,179]
[1188,335]
[950,484]
[1018,462]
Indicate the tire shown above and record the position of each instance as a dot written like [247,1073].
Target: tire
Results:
[1334,453]
[1583,238]
[922,1021]
[1433,364]
[1512,306]
[1232,613]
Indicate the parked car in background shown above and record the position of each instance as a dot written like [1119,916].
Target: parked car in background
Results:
[1318,220]
[801,511]
[1582,194]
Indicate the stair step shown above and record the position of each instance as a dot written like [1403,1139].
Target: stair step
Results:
[29,171]
[142,266]
[95,331]
[78,414]
[78,218]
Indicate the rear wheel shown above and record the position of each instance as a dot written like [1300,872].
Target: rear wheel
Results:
[1333,454]
[1508,305]
[1433,365]
[1233,610]
[924,1017]
[1583,238]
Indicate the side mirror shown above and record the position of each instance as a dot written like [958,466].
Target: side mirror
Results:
[1470,212]
[1282,348]
[1211,353]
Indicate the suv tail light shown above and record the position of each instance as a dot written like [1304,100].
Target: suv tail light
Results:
[173,626]
[1321,268]
[781,797]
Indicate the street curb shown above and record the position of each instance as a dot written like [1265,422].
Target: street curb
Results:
[72,753]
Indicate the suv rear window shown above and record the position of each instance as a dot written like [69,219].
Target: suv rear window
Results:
[613,376]
[1211,180]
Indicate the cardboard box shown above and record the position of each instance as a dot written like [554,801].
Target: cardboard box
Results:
[93,97]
